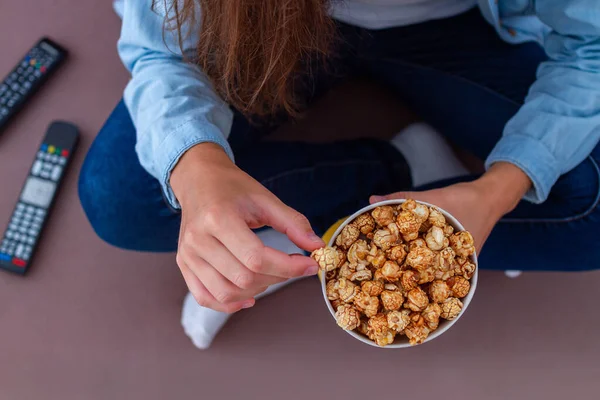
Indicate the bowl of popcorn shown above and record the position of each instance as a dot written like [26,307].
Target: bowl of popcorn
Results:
[398,273]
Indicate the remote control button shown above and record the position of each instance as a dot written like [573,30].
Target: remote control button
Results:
[51,149]
[43,69]
[15,87]
[45,174]
[27,85]
[9,234]
[5,257]
[13,227]
[3,111]
[32,232]
[55,158]
[18,262]
[13,76]
[17,236]
[38,219]
[20,207]
[56,173]
[62,161]
[37,73]
[31,240]
[11,103]
[36,227]
[30,209]
[3,88]
[31,77]
[40,212]
[22,229]
[25,63]
[37,167]
[19,251]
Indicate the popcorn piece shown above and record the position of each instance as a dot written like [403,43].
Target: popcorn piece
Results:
[451,307]
[369,305]
[446,260]
[408,225]
[347,236]
[372,288]
[435,239]
[439,291]
[358,252]
[347,270]
[416,299]
[459,286]
[379,330]
[378,275]
[383,215]
[398,320]
[427,275]
[363,327]
[416,244]
[420,211]
[420,258]
[396,253]
[362,275]
[347,317]
[417,331]
[436,218]
[391,271]
[431,315]
[384,239]
[347,290]
[365,223]
[391,300]
[376,257]
[409,280]
[462,243]
[329,275]
[465,268]
[328,258]
[332,290]
[336,304]
[392,287]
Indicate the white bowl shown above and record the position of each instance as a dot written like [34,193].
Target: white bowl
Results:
[401,341]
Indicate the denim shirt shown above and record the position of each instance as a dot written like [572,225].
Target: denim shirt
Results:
[174,107]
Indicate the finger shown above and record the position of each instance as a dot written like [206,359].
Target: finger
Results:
[291,223]
[217,255]
[392,196]
[220,288]
[205,299]
[235,235]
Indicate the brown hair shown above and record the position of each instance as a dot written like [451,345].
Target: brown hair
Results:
[254,51]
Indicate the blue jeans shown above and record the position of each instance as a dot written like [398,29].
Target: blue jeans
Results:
[466,85]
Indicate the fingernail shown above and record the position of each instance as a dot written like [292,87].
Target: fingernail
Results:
[248,304]
[311,270]
[315,238]
[377,199]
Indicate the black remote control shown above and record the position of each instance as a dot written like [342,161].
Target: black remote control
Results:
[37,197]
[27,77]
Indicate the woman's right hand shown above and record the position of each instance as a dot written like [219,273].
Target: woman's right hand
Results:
[222,260]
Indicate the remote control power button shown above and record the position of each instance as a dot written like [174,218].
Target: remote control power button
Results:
[18,262]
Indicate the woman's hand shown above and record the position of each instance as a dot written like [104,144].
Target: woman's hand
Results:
[480,204]
[222,261]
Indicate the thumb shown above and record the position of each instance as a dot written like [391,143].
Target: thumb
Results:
[393,196]
[293,224]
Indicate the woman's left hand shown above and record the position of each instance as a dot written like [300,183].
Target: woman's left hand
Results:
[479,204]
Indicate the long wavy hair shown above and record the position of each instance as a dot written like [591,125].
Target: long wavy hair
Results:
[255,51]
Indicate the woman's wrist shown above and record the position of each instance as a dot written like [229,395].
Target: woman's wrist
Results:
[504,185]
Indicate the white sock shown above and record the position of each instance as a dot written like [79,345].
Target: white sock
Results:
[202,324]
[428,155]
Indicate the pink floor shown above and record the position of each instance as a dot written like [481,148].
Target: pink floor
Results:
[94,322]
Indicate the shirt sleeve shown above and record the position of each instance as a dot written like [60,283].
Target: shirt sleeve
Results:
[559,124]
[171,102]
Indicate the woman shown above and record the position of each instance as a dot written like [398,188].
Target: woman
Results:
[515,82]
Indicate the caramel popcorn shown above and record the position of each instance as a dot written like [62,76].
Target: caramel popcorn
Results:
[357,253]
[391,300]
[462,243]
[416,299]
[417,331]
[398,320]
[383,215]
[459,286]
[362,275]
[347,236]
[391,271]
[328,258]
[420,211]
[372,288]
[439,291]
[409,280]
[396,253]
[347,317]
[451,307]
[369,305]
[397,271]
[384,239]
[347,270]
[420,258]
[435,239]
[431,315]
[347,290]
[436,218]
[332,290]
[365,223]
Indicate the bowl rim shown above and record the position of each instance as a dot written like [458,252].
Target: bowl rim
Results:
[447,324]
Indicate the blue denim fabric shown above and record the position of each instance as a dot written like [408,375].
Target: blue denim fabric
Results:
[455,73]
